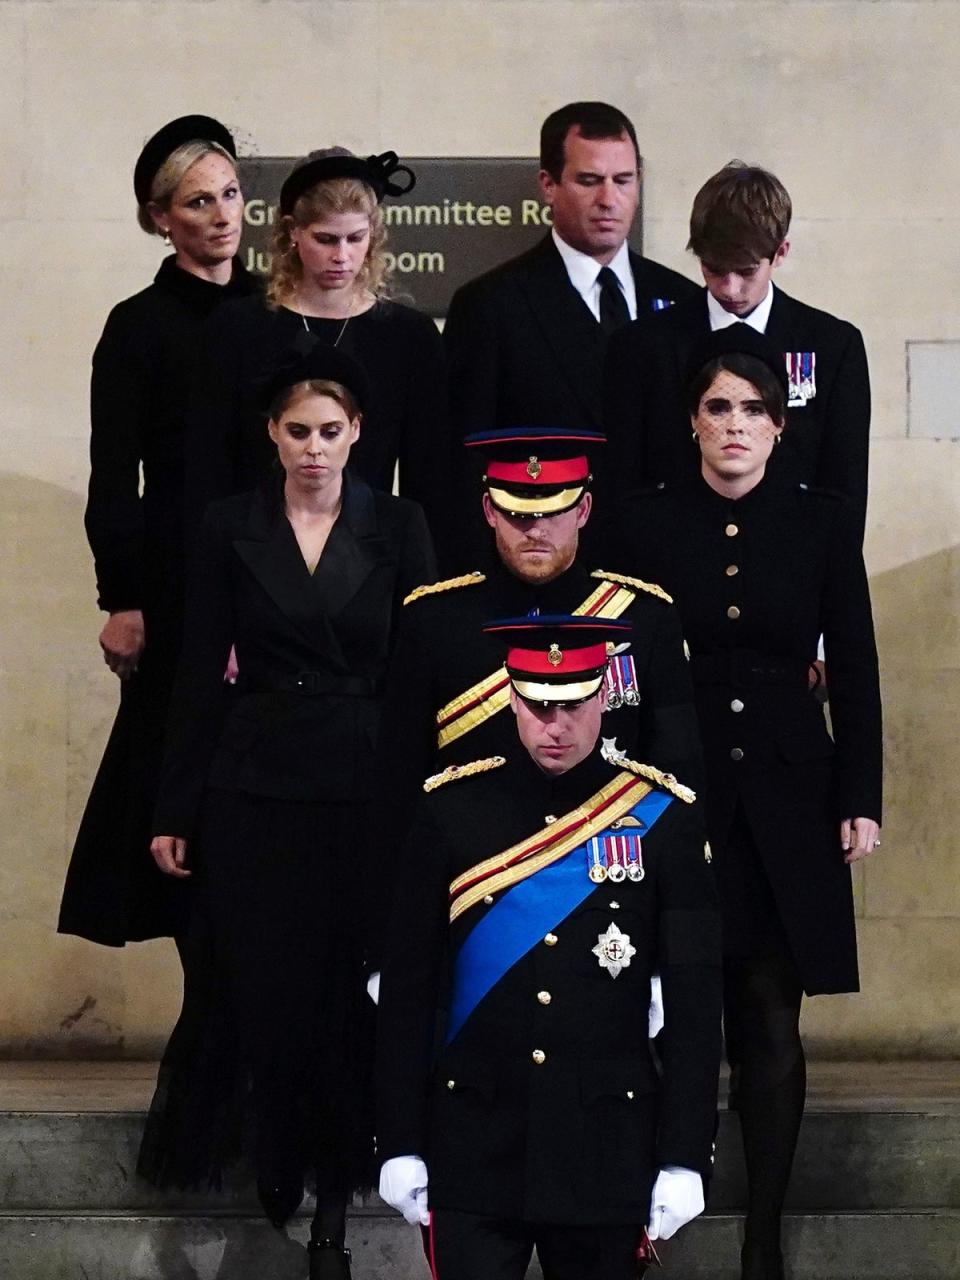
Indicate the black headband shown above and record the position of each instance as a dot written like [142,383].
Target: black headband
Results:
[165,141]
[378,172]
[307,359]
[740,339]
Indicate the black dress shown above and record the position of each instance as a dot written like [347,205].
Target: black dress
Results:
[405,423]
[142,372]
[269,787]
[757,581]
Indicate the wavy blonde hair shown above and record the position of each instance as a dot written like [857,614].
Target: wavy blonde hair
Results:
[327,197]
[171,173]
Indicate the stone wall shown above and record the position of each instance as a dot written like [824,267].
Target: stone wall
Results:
[849,102]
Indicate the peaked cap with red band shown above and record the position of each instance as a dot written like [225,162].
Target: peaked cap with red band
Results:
[535,471]
[558,658]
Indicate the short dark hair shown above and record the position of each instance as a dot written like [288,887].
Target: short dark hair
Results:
[741,214]
[752,370]
[593,119]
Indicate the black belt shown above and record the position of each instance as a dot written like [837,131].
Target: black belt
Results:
[310,684]
[745,667]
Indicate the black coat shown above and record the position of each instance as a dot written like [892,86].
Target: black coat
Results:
[799,574]
[142,373]
[826,441]
[578,1138]
[332,631]
[524,349]
[404,423]
[442,651]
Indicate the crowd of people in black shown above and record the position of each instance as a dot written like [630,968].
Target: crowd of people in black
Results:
[399,825]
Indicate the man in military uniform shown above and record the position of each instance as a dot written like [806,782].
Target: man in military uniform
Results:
[550,883]
[447,692]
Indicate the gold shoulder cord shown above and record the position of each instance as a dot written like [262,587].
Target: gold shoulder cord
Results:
[626,581]
[665,780]
[455,771]
[448,584]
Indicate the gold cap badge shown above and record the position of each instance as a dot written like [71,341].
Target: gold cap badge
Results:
[555,655]
[533,467]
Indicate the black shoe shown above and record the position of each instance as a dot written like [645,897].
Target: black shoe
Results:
[328,1260]
[280,1200]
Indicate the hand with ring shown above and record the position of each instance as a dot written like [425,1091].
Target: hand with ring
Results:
[858,837]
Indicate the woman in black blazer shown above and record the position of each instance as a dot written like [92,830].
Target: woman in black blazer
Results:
[187,191]
[760,568]
[261,800]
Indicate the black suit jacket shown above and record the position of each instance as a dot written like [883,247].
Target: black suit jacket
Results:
[788,559]
[826,442]
[250,587]
[524,349]
[578,1138]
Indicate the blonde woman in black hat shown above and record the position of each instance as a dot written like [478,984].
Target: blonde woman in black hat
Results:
[260,802]
[187,194]
[328,278]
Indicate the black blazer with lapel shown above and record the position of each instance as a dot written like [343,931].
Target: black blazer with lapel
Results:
[250,587]
[826,442]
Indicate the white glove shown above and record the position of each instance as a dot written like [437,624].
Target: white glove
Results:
[403,1184]
[373,987]
[677,1199]
[655,1016]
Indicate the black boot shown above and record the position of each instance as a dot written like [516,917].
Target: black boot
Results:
[328,1260]
[761,1260]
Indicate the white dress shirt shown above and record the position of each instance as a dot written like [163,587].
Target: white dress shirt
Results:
[757,319]
[583,271]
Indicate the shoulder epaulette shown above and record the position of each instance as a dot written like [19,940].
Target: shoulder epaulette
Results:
[453,772]
[636,583]
[665,780]
[448,584]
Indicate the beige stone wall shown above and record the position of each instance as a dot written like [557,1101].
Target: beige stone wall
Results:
[852,103]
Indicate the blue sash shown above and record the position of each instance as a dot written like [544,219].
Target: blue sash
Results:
[523,916]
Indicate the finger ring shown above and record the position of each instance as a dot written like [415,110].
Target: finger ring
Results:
[876,844]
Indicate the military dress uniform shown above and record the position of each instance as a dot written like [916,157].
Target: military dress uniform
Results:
[533,910]
[447,692]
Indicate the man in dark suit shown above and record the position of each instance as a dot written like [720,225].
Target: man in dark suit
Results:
[525,342]
[550,883]
[738,229]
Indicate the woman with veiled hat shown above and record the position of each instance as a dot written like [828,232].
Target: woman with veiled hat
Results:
[260,804]
[760,567]
[328,278]
[187,192]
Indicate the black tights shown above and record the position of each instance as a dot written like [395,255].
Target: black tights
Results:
[761,1009]
[330,1218]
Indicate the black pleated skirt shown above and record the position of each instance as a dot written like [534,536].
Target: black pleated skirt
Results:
[271,1054]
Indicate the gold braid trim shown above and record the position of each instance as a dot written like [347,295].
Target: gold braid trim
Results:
[448,584]
[638,583]
[547,845]
[455,771]
[665,780]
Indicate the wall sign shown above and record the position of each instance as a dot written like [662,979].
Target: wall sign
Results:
[464,217]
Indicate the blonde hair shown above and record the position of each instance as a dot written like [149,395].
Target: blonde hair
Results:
[171,173]
[327,197]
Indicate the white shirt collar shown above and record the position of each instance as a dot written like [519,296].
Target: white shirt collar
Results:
[758,318]
[583,271]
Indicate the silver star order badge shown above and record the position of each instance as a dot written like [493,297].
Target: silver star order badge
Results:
[611,752]
[614,950]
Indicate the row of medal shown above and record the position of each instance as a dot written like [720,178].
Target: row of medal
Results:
[614,858]
[621,678]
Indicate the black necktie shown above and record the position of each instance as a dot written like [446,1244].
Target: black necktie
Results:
[613,305]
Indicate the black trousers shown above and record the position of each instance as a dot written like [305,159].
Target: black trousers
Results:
[467,1246]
